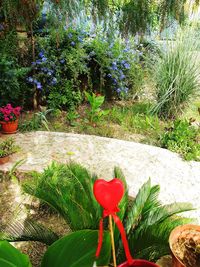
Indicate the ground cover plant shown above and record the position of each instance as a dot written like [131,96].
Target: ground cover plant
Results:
[142,216]
[183,138]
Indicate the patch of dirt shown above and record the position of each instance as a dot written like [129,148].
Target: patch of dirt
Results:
[187,248]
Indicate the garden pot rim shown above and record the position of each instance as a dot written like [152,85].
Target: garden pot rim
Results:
[176,233]
[1,157]
[5,122]
[140,263]
[4,159]
[181,228]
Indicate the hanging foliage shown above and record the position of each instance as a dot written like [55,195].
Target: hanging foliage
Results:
[20,12]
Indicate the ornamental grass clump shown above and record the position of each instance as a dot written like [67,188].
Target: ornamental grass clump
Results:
[176,75]
[8,113]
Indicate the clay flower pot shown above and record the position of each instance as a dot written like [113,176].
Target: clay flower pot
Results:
[9,127]
[139,263]
[184,243]
[4,160]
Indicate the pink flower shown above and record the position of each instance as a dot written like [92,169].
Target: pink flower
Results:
[8,113]
[9,106]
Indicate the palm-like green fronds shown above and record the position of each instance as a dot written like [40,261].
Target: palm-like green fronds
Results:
[163,212]
[69,190]
[134,214]
[124,202]
[151,241]
[28,231]
[149,223]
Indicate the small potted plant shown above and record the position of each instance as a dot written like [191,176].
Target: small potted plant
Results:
[184,243]
[7,147]
[9,118]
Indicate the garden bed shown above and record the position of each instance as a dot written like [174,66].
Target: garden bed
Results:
[15,206]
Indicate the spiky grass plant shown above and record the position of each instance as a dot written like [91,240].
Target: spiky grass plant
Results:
[176,75]
[69,190]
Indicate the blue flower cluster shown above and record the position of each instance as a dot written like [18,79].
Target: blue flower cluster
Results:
[76,37]
[44,75]
[118,75]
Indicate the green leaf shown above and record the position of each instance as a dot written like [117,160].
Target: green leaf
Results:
[11,257]
[4,263]
[28,231]
[77,249]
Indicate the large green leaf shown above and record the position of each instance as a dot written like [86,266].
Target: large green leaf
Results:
[77,249]
[4,263]
[11,257]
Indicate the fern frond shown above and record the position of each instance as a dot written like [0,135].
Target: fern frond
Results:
[151,242]
[161,213]
[134,214]
[124,202]
[28,231]
[152,201]
[68,188]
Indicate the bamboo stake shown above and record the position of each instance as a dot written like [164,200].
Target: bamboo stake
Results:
[112,241]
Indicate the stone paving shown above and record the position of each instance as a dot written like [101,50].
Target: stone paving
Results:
[179,180]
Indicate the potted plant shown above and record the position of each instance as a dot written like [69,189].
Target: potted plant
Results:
[184,243]
[7,147]
[9,118]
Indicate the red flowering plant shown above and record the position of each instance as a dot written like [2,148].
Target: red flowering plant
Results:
[8,113]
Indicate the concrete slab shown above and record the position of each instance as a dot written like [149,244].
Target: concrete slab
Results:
[179,180]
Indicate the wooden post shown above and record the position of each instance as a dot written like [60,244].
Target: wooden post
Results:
[112,241]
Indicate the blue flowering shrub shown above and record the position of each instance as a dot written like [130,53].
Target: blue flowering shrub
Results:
[76,61]
[57,70]
[115,67]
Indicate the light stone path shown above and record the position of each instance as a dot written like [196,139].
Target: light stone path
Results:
[179,180]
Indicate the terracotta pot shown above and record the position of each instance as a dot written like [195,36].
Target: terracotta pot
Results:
[9,127]
[175,234]
[4,160]
[139,263]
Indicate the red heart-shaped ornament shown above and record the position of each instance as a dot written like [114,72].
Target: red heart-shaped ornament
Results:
[109,194]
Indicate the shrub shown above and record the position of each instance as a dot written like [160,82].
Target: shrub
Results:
[148,223]
[117,67]
[12,88]
[83,61]
[182,138]
[176,75]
